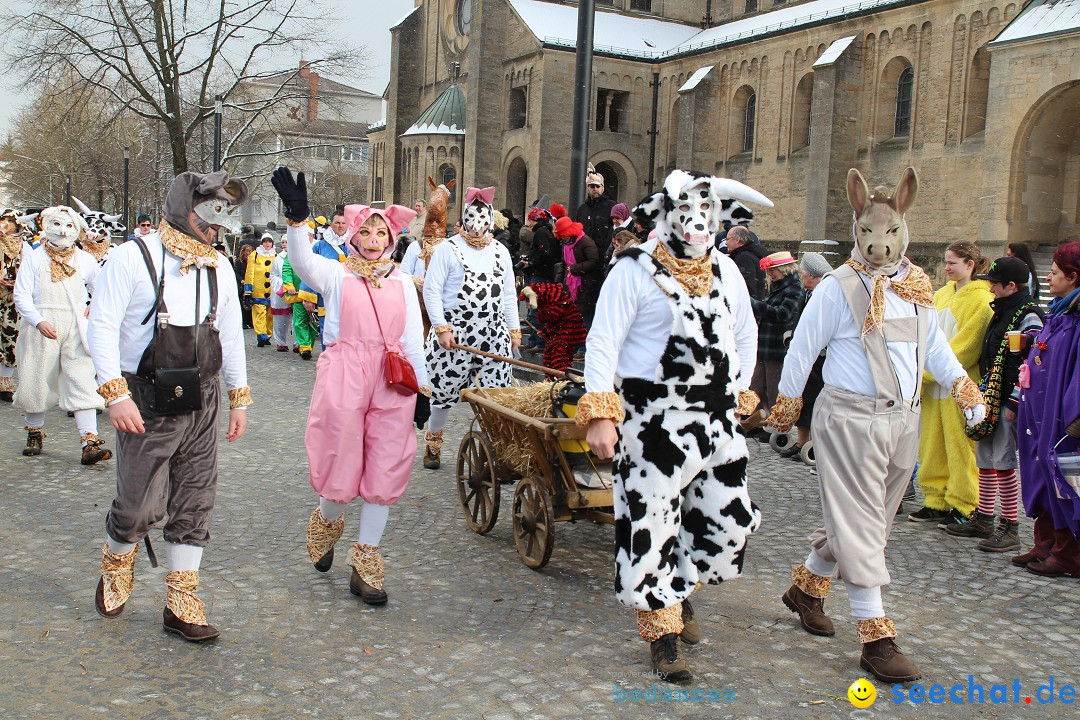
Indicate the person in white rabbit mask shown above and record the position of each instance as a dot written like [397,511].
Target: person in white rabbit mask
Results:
[52,294]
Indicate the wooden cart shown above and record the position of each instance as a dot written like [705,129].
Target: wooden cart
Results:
[504,447]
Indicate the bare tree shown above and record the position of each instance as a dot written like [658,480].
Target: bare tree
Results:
[165,61]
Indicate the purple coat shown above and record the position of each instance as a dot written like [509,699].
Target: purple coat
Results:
[1047,406]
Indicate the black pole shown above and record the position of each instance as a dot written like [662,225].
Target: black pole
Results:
[67,190]
[652,131]
[579,153]
[127,175]
[217,133]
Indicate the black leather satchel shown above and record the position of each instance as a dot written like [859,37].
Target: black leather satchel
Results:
[177,389]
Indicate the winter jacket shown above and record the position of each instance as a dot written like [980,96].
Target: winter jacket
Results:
[589,268]
[595,218]
[544,255]
[777,315]
[748,258]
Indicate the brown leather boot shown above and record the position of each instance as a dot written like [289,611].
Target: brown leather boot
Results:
[811,608]
[884,659]
[1044,542]
[691,630]
[321,537]
[433,445]
[192,632]
[92,451]
[667,661]
[185,613]
[118,573]
[368,574]
[35,438]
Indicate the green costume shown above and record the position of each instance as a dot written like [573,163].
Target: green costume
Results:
[305,335]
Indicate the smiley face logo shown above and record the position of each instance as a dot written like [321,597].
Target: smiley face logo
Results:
[862,694]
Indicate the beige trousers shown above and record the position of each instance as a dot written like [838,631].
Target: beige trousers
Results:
[866,449]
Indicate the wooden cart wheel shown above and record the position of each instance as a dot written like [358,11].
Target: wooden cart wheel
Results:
[534,523]
[477,483]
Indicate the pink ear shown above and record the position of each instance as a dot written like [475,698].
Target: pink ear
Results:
[398,217]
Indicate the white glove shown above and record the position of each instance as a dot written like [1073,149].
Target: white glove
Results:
[975,415]
[530,296]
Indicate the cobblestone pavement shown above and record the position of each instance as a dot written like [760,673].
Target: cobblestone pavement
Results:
[469,632]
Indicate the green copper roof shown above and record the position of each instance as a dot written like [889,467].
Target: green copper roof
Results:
[445,116]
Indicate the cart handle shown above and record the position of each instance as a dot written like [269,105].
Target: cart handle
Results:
[520,363]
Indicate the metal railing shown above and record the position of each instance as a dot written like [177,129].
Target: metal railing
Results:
[733,37]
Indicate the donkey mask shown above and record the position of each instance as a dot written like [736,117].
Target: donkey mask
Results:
[879,228]
[435,223]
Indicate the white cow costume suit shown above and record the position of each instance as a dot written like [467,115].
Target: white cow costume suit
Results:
[468,291]
[53,288]
[875,316]
[675,336]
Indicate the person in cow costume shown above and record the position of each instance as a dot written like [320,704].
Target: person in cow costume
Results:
[52,292]
[164,325]
[13,235]
[100,230]
[875,316]
[471,299]
[670,357]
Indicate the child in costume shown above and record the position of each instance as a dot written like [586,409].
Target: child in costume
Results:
[1013,309]
[947,473]
[279,307]
[471,299]
[304,329]
[12,246]
[359,439]
[875,315]
[670,356]
[167,310]
[52,292]
[257,288]
[330,245]
[564,329]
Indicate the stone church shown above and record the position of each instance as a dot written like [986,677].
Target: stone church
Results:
[982,97]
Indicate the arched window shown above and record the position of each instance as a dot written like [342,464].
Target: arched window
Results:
[446,174]
[904,85]
[977,91]
[748,123]
[800,112]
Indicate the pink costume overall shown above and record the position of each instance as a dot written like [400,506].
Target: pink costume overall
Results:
[360,441]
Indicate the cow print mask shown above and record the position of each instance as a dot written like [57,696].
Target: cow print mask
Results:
[477,219]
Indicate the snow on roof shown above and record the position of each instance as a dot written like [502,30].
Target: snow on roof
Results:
[405,17]
[657,39]
[612,32]
[696,78]
[834,51]
[445,116]
[1043,17]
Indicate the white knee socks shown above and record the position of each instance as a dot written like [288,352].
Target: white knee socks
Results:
[6,371]
[183,557]
[118,548]
[438,419]
[35,420]
[819,565]
[86,421]
[372,523]
[331,510]
[865,602]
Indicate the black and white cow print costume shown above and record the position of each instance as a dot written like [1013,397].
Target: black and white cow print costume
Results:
[675,336]
[100,230]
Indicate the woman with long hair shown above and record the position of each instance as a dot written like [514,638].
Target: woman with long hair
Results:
[1049,425]
[1022,251]
[947,473]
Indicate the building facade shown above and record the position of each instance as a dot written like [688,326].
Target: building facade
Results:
[980,96]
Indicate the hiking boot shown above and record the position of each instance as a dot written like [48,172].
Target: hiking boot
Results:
[92,451]
[978,525]
[929,515]
[192,632]
[34,440]
[433,445]
[431,459]
[811,611]
[1004,538]
[667,661]
[691,631]
[884,659]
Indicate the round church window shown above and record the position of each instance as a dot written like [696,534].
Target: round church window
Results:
[464,16]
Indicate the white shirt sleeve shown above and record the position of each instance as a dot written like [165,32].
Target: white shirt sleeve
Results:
[437,271]
[941,362]
[412,339]
[616,309]
[509,294]
[233,359]
[745,324]
[26,283]
[316,271]
[112,295]
[411,264]
[819,322]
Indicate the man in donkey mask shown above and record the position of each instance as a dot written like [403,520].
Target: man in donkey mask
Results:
[875,314]
[167,301]
[670,357]
[52,291]
[471,299]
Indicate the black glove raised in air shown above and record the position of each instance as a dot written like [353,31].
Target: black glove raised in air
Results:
[293,193]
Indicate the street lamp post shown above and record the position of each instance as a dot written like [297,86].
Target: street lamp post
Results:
[217,132]
[127,175]
[579,148]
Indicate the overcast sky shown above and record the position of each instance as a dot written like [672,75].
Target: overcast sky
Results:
[365,23]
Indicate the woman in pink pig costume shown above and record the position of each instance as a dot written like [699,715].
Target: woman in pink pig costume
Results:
[360,440]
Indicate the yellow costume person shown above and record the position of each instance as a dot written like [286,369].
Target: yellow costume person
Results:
[257,288]
[947,473]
